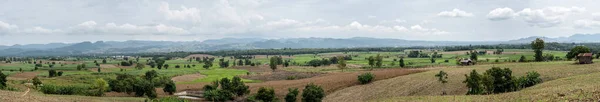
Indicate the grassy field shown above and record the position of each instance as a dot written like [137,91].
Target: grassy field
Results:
[425,84]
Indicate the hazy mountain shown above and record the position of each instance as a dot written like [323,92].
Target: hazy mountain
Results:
[136,46]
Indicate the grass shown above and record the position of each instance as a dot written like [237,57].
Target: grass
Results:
[424,84]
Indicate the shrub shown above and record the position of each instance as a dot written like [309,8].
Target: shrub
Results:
[36,81]
[530,79]
[101,86]
[170,87]
[51,73]
[60,73]
[312,93]
[291,96]
[2,80]
[218,95]
[64,90]
[497,80]
[265,94]
[365,78]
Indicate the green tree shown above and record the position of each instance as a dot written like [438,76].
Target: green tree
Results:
[291,96]
[443,78]
[151,75]
[576,51]
[379,61]
[273,63]
[2,80]
[474,56]
[312,93]
[371,60]
[103,61]
[101,85]
[522,59]
[265,94]
[341,63]
[538,46]
[139,66]
[402,62]
[170,87]
[36,81]
[473,81]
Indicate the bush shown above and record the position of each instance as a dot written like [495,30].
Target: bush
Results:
[64,90]
[497,80]
[60,73]
[36,81]
[2,80]
[530,79]
[265,94]
[365,78]
[51,73]
[170,87]
[312,93]
[291,96]
[218,95]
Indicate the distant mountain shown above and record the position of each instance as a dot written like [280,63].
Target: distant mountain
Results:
[137,46]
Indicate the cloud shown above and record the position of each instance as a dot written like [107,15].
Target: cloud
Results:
[501,14]
[545,17]
[40,30]
[596,16]
[418,28]
[6,28]
[455,13]
[371,17]
[192,14]
[586,23]
[91,27]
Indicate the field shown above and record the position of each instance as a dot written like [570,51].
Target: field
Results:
[415,82]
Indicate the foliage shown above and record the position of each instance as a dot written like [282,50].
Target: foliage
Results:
[151,75]
[218,95]
[443,78]
[576,51]
[265,94]
[52,73]
[170,87]
[530,79]
[65,90]
[473,81]
[2,80]
[139,66]
[36,81]
[291,96]
[312,93]
[497,80]
[365,78]
[273,63]
[102,86]
[342,63]
[402,62]
[538,46]
[229,88]
[522,59]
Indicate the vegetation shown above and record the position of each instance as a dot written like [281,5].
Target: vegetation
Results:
[2,80]
[576,51]
[291,95]
[265,94]
[443,78]
[312,93]
[170,87]
[497,80]
[365,78]
[227,91]
[538,46]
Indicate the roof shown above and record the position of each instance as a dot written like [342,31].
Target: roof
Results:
[585,54]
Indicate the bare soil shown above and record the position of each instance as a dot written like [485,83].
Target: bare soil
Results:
[187,77]
[23,76]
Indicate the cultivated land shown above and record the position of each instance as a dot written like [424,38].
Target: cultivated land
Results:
[563,80]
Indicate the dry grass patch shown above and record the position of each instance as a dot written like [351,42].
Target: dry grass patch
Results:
[426,84]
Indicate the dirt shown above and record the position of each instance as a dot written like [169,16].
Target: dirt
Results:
[108,66]
[187,77]
[265,56]
[329,82]
[198,55]
[23,76]
[281,75]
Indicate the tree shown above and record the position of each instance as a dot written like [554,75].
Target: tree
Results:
[101,85]
[371,61]
[379,61]
[273,63]
[576,51]
[473,81]
[2,80]
[341,63]
[291,96]
[103,61]
[265,94]
[312,93]
[139,66]
[538,46]
[432,60]
[522,59]
[207,64]
[151,75]
[170,87]
[238,87]
[51,73]
[36,82]
[402,62]
[473,56]
[365,78]
[443,78]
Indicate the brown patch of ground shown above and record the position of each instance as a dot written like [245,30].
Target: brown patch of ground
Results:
[108,66]
[281,75]
[198,55]
[13,96]
[187,77]
[255,69]
[454,52]
[329,82]
[265,56]
[23,76]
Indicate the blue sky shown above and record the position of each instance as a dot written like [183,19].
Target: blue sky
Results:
[45,21]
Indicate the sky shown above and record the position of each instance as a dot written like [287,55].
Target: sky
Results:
[70,21]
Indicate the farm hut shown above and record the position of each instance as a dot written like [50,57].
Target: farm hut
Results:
[585,58]
[466,62]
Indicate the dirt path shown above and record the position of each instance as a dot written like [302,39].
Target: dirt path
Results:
[25,92]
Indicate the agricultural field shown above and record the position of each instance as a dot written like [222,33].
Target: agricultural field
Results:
[413,82]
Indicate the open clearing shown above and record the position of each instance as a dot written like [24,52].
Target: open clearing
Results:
[330,82]
[22,76]
[187,77]
[426,84]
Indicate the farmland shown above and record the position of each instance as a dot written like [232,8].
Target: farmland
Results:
[413,82]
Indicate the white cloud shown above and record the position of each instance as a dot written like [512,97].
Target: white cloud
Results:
[586,23]
[91,27]
[596,16]
[501,14]
[40,30]
[6,28]
[371,17]
[455,13]
[192,14]
[545,17]
[418,28]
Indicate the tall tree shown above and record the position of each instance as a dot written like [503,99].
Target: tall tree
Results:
[443,78]
[379,60]
[273,63]
[341,63]
[538,46]
[402,62]
[576,51]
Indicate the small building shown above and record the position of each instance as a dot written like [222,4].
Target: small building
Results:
[585,58]
[466,62]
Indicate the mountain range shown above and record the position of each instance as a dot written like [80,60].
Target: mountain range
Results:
[136,46]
